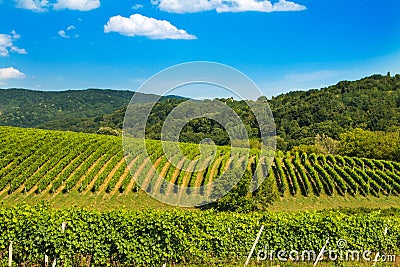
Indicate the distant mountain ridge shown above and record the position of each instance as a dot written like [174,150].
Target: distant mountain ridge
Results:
[27,108]
[30,108]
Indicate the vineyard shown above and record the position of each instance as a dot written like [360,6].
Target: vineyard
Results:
[204,238]
[335,175]
[35,161]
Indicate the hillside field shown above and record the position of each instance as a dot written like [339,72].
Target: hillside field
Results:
[90,170]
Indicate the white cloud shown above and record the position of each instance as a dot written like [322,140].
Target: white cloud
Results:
[185,6]
[191,6]
[18,50]
[65,34]
[34,5]
[10,73]
[260,6]
[284,5]
[137,6]
[139,25]
[7,44]
[81,5]
[43,5]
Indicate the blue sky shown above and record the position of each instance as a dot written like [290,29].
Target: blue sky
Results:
[281,45]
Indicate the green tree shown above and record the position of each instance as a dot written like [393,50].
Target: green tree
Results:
[326,144]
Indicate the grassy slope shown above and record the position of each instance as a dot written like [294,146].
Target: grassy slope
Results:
[141,201]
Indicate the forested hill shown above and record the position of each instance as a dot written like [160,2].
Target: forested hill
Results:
[26,108]
[372,103]
[62,110]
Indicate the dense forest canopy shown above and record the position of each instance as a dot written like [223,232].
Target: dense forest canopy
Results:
[25,108]
[372,103]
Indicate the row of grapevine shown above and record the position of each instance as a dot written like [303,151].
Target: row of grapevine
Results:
[35,165]
[329,184]
[352,188]
[106,172]
[182,237]
[101,163]
[292,175]
[362,184]
[8,153]
[316,181]
[77,169]
[373,187]
[384,187]
[341,186]
[122,169]
[306,186]
[76,153]
[214,164]
[35,178]
[22,159]
[396,165]
[392,181]
[280,175]
[37,161]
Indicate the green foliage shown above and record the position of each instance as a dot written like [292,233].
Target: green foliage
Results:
[280,174]
[59,110]
[313,174]
[376,145]
[352,185]
[109,131]
[364,188]
[384,187]
[326,144]
[154,237]
[238,199]
[267,193]
[329,185]
[370,104]
[295,188]
[306,186]
[308,149]
[341,187]
[373,188]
